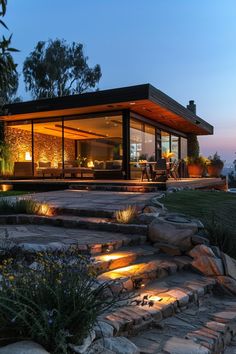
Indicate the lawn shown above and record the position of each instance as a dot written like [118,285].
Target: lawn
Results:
[208,206]
[12,193]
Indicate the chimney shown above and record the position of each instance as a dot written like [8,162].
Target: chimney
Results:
[192,106]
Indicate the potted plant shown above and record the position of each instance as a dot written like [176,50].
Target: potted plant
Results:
[214,165]
[196,166]
[168,155]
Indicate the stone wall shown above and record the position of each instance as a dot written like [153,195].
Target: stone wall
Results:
[46,147]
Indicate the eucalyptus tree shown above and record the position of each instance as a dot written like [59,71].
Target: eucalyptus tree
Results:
[55,68]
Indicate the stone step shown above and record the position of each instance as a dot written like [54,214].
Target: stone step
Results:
[77,222]
[143,270]
[97,223]
[158,300]
[38,237]
[204,329]
[123,258]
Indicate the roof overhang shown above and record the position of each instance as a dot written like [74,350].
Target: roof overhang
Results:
[144,100]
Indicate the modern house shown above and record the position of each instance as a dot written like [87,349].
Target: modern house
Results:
[103,134]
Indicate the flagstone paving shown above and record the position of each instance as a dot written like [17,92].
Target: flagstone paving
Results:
[94,200]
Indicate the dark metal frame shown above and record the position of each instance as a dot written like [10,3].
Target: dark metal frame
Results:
[126,116]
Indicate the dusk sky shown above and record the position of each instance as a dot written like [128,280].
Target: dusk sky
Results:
[186,48]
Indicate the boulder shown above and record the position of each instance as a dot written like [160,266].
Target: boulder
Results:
[146,218]
[201,250]
[103,329]
[199,240]
[168,249]
[205,261]
[209,266]
[175,234]
[226,285]
[229,265]
[23,347]
[98,348]
[83,348]
[119,345]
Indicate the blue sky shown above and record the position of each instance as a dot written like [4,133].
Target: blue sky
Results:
[186,48]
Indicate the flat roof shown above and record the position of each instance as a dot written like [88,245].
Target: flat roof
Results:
[145,100]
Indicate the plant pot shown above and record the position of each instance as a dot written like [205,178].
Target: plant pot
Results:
[195,171]
[214,171]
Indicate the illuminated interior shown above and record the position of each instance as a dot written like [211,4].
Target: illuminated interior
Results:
[61,147]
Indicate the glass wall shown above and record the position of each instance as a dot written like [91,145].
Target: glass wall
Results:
[183,148]
[165,143]
[175,147]
[18,136]
[48,147]
[142,146]
[97,142]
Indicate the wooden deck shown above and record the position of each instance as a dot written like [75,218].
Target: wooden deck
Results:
[113,185]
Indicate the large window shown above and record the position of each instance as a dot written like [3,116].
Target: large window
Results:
[48,145]
[97,142]
[142,145]
[183,148]
[175,147]
[165,143]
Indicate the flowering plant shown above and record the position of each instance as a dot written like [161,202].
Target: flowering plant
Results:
[55,301]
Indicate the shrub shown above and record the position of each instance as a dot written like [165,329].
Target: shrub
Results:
[193,160]
[215,160]
[55,302]
[24,206]
[126,216]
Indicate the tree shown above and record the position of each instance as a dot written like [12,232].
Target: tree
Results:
[193,145]
[55,68]
[8,74]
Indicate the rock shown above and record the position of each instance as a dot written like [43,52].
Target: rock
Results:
[226,285]
[151,209]
[119,345]
[230,265]
[98,348]
[199,240]
[209,266]
[23,347]
[177,345]
[206,262]
[168,249]
[146,218]
[82,349]
[103,329]
[173,234]
[201,250]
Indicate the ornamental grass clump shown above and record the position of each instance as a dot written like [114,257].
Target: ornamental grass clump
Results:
[24,206]
[54,302]
[126,216]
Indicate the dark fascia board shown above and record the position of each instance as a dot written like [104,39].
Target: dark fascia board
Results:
[164,100]
[107,97]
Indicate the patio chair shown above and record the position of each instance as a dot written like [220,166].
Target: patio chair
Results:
[159,171]
[174,170]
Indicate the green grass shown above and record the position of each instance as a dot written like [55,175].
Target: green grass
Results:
[12,193]
[217,211]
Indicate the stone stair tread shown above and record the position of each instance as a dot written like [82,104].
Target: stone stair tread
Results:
[143,265]
[191,331]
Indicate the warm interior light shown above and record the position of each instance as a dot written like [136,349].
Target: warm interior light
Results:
[28,156]
[6,187]
[90,164]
